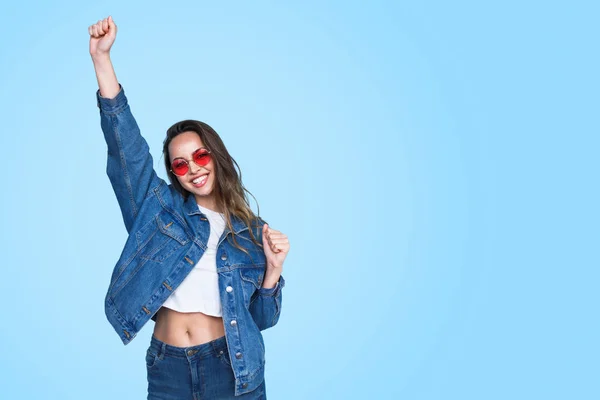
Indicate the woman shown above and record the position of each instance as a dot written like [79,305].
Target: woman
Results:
[197,260]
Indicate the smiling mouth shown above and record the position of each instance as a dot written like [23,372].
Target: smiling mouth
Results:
[200,181]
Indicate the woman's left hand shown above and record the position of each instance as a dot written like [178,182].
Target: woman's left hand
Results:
[276,247]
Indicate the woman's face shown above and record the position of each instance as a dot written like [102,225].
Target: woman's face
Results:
[198,180]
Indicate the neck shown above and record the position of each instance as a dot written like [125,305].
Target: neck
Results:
[208,202]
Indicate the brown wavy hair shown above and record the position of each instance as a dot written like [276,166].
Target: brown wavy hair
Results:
[229,191]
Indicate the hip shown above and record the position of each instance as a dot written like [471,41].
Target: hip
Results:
[193,372]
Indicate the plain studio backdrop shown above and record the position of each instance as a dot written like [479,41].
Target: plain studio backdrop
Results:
[434,165]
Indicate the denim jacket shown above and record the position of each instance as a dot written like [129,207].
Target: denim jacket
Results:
[167,237]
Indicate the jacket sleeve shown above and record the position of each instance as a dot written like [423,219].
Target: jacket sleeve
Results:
[129,166]
[265,305]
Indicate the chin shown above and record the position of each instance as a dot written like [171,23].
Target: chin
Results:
[203,191]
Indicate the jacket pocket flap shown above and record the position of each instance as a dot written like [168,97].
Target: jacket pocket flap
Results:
[170,227]
[252,275]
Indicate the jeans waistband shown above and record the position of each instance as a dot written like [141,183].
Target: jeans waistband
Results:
[214,347]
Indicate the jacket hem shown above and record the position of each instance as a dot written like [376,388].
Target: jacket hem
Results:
[125,331]
[250,381]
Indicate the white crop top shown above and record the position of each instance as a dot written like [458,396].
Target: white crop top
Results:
[199,291]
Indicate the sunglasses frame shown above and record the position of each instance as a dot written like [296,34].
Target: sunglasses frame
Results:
[188,161]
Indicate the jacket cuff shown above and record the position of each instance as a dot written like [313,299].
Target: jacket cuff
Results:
[274,291]
[111,105]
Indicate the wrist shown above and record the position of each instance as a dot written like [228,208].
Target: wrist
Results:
[100,58]
[271,279]
[272,267]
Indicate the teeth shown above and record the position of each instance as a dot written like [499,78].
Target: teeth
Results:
[199,179]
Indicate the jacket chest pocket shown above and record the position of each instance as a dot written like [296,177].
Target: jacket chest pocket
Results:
[160,238]
[254,256]
[252,279]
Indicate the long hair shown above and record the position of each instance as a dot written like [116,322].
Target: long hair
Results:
[229,191]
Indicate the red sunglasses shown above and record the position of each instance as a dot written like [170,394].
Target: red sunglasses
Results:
[180,166]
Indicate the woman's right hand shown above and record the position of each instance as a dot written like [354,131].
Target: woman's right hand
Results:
[102,37]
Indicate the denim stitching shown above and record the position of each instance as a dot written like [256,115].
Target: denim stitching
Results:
[125,171]
[165,207]
[123,268]
[140,265]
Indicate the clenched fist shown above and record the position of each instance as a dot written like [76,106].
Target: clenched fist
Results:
[102,36]
[276,247]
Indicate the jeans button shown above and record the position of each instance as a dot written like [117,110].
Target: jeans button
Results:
[244,385]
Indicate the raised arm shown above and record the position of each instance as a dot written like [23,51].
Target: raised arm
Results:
[130,165]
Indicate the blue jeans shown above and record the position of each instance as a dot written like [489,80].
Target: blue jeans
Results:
[201,372]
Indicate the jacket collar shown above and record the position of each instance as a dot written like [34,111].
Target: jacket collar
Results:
[191,207]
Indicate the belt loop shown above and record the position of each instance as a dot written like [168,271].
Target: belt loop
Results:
[162,350]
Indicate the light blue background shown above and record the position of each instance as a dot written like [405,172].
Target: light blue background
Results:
[434,164]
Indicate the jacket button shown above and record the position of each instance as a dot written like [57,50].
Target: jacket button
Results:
[233,322]
[229,289]
[224,257]
[244,385]
[238,355]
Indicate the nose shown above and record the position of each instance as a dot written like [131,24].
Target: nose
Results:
[194,168]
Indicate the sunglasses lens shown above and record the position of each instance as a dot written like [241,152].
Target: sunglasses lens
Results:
[179,167]
[202,157]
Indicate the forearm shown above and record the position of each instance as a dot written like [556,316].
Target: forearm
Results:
[105,74]
[265,305]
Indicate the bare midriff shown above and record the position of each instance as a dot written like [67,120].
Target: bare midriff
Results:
[186,329]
